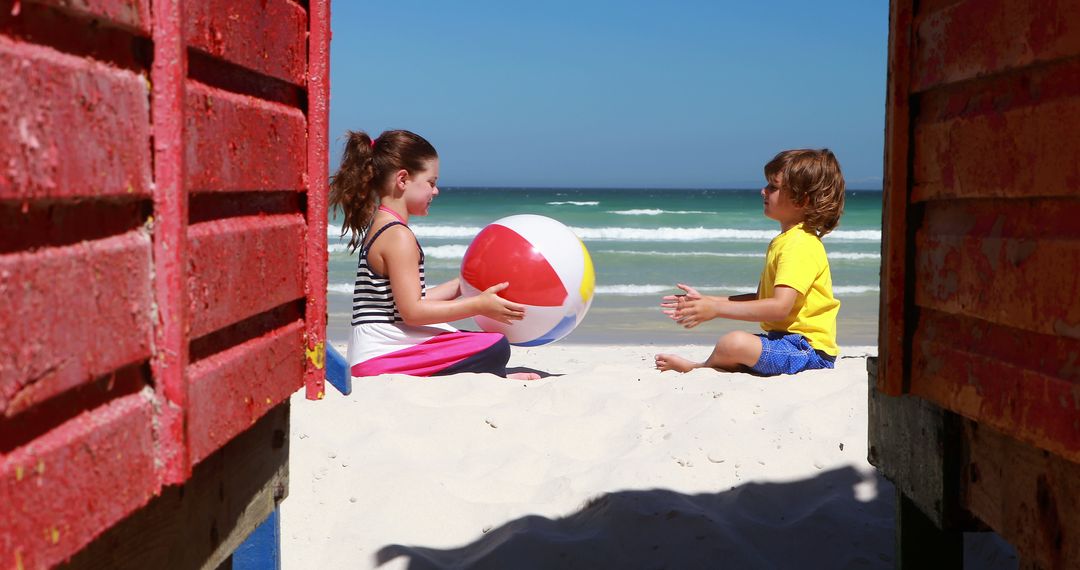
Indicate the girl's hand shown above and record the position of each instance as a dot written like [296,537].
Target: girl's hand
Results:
[690,309]
[496,308]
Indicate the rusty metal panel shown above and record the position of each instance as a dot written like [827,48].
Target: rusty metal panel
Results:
[267,36]
[894,242]
[986,372]
[973,38]
[239,267]
[317,214]
[981,260]
[231,390]
[67,486]
[70,127]
[236,142]
[133,14]
[1011,136]
[1029,497]
[72,314]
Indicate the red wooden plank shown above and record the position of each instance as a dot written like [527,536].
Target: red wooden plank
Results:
[70,126]
[1034,272]
[1011,136]
[317,168]
[68,486]
[243,266]
[894,235]
[133,14]
[234,388]
[72,314]
[267,36]
[982,37]
[170,236]
[236,142]
[1029,497]
[986,372]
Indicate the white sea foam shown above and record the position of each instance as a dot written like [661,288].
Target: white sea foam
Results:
[849,255]
[854,289]
[652,289]
[640,234]
[838,255]
[655,212]
[446,231]
[573,203]
[446,251]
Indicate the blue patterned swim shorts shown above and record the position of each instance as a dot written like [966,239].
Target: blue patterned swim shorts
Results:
[788,353]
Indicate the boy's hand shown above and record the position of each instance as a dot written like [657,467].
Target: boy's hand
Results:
[496,308]
[688,310]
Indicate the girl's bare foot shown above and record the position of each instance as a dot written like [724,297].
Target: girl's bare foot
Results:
[523,376]
[665,362]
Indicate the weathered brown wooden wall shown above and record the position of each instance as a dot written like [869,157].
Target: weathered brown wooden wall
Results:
[981,248]
[982,217]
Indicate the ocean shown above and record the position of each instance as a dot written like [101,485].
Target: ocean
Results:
[643,241]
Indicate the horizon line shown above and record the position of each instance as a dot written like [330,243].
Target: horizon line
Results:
[725,188]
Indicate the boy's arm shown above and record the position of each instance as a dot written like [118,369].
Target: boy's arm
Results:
[692,311]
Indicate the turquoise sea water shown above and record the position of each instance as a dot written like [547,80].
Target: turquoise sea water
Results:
[643,241]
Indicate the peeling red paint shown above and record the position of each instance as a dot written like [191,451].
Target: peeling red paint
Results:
[236,142]
[133,14]
[240,267]
[317,213]
[101,121]
[46,93]
[76,481]
[90,305]
[224,399]
[267,36]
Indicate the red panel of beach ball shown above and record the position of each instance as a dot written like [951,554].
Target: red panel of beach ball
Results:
[499,254]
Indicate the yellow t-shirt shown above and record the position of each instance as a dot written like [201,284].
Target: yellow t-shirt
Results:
[796,258]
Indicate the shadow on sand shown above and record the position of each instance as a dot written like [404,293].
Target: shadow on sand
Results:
[812,523]
[542,373]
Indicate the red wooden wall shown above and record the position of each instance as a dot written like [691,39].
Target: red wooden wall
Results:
[162,246]
[981,268]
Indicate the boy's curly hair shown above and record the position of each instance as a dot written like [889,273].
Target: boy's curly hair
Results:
[812,178]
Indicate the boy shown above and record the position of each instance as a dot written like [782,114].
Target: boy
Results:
[794,301]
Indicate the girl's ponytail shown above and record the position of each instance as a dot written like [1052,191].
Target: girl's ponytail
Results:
[352,187]
[366,166]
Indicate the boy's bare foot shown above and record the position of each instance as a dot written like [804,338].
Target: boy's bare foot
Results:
[665,362]
[523,376]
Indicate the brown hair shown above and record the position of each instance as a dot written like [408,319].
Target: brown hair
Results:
[365,171]
[812,178]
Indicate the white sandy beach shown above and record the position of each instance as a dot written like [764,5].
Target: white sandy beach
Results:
[606,463]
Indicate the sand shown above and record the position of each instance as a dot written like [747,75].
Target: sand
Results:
[605,463]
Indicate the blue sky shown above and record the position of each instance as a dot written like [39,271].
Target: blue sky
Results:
[598,93]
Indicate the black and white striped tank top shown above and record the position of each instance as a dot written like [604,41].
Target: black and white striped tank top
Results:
[373,300]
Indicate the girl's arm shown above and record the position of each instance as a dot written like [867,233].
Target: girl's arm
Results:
[693,308]
[399,256]
[445,291]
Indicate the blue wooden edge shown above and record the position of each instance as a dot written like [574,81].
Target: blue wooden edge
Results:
[262,549]
[337,371]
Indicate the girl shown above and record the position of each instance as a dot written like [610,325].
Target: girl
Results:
[399,326]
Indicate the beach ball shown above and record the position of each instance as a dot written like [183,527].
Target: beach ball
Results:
[549,271]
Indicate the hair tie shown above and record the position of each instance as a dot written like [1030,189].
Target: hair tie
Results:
[373,142]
